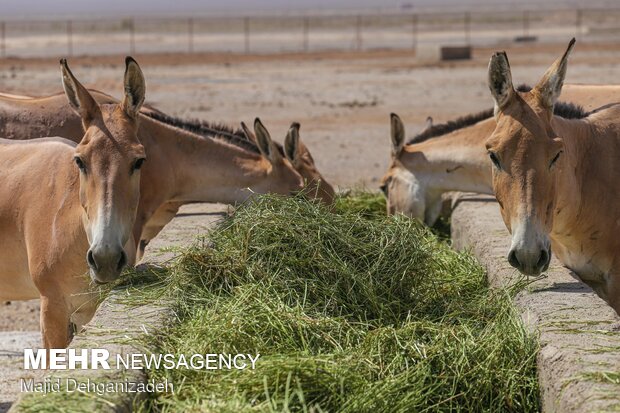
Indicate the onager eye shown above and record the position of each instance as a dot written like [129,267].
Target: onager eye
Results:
[555,158]
[495,160]
[384,189]
[138,164]
[80,164]
[385,186]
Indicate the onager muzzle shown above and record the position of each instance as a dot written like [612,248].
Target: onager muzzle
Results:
[530,251]
[106,262]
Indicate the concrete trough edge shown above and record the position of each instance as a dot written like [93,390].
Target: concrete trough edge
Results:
[579,333]
[114,327]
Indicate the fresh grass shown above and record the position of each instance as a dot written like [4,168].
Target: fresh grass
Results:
[350,310]
[372,205]
[609,377]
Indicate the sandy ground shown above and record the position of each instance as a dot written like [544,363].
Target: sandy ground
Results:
[342,100]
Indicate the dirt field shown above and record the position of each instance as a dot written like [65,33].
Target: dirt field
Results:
[342,100]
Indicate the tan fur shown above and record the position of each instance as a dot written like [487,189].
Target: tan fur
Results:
[300,157]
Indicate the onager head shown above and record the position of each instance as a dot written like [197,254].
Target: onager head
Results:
[406,192]
[281,178]
[526,156]
[298,156]
[109,158]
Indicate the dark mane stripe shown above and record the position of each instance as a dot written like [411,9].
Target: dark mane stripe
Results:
[450,126]
[205,129]
[565,110]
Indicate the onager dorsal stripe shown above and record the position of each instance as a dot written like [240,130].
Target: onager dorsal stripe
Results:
[208,130]
[567,110]
[67,209]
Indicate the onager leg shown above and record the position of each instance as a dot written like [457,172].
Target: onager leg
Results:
[613,291]
[162,216]
[54,319]
[84,313]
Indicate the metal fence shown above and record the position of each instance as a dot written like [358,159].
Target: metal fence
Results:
[272,34]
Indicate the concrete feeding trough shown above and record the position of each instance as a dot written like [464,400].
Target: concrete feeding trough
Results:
[455,52]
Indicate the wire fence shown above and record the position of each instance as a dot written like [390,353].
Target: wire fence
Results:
[303,33]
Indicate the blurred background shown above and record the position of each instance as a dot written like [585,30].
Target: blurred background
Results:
[32,28]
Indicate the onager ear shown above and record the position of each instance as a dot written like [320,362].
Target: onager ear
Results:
[79,98]
[249,135]
[550,85]
[135,88]
[500,80]
[265,144]
[291,142]
[427,125]
[397,134]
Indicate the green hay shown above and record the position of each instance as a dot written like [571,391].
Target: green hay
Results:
[372,205]
[350,310]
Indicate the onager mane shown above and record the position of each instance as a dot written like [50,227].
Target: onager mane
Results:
[206,129]
[565,110]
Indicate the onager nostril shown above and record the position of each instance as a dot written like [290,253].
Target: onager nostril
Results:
[122,261]
[543,260]
[512,259]
[90,258]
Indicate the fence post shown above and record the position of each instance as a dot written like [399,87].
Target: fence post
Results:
[526,23]
[467,23]
[578,24]
[306,33]
[358,33]
[132,35]
[414,31]
[190,35]
[3,38]
[69,38]
[246,30]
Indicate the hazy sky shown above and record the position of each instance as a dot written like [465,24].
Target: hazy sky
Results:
[94,8]
[115,7]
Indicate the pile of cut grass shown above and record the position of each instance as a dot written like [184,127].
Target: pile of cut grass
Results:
[350,310]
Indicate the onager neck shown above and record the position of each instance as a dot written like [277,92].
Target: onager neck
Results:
[576,196]
[205,169]
[456,161]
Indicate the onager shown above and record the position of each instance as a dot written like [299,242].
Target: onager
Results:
[554,179]
[67,210]
[188,162]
